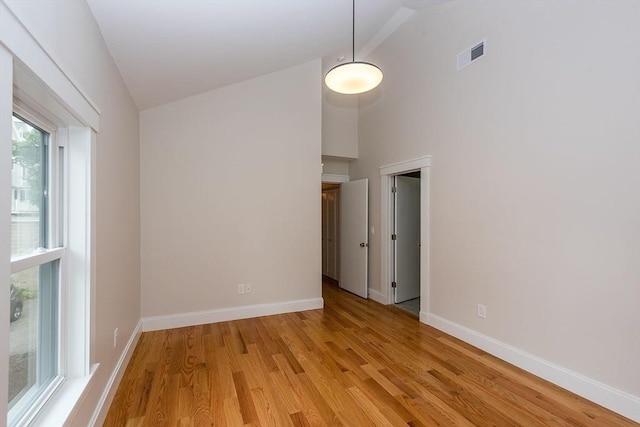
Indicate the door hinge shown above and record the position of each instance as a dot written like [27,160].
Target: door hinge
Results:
[394,189]
[394,284]
[394,237]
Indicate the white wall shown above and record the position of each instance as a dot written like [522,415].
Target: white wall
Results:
[231,194]
[69,34]
[335,166]
[339,124]
[535,183]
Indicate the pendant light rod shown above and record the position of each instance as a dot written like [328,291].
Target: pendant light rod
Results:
[353,31]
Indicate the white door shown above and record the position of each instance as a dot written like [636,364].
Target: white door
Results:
[407,235]
[354,242]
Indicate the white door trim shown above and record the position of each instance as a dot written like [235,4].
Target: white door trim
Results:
[406,166]
[334,178]
[387,172]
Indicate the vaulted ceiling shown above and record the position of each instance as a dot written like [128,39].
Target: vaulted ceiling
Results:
[171,49]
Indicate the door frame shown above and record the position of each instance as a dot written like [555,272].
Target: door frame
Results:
[387,173]
[331,178]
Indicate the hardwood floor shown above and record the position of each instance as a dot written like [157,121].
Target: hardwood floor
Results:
[353,363]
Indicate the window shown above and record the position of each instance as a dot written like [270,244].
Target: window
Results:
[37,263]
[38,99]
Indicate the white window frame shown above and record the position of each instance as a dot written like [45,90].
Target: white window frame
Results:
[30,74]
[29,405]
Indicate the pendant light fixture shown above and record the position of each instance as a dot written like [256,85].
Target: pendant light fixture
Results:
[353,77]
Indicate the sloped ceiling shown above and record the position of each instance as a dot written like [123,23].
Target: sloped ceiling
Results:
[171,49]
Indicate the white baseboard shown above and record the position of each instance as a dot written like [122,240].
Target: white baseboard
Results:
[171,321]
[618,401]
[378,296]
[109,392]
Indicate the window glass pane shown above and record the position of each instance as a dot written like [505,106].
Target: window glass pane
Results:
[28,181]
[33,334]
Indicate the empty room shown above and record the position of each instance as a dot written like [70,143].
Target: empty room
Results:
[335,212]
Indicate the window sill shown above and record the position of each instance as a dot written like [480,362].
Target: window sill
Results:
[57,411]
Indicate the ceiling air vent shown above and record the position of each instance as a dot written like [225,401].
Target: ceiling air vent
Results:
[468,56]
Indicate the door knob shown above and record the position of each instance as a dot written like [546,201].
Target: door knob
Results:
[364,245]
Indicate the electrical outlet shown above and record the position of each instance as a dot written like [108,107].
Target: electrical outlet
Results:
[247,288]
[482,311]
[115,337]
[241,289]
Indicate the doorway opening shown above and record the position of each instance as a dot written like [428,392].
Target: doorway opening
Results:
[404,224]
[345,243]
[405,241]
[331,232]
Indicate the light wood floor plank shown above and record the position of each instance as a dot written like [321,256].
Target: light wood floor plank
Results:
[353,363]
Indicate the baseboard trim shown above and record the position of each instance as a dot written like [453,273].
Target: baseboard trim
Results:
[618,401]
[180,320]
[378,296]
[109,392]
